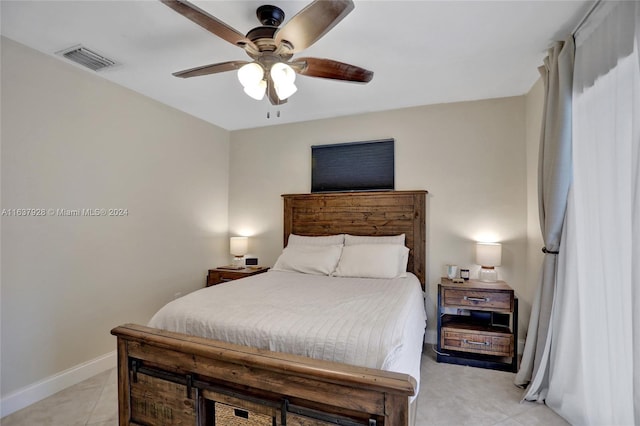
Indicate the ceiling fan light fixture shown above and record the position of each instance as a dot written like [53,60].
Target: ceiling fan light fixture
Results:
[283,77]
[256,91]
[251,74]
[271,46]
[285,90]
[282,73]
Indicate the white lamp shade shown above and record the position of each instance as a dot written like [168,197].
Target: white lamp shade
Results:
[489,254]
[285,90]
[239,246]
[283,77]
[250,74]
[282,73]
[257,91]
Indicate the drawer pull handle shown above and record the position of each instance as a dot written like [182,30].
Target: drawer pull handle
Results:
[476,299]
[471,342]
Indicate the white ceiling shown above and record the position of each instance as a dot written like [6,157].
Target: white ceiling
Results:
[422,52]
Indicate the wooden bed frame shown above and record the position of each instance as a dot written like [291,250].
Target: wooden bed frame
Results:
[167,378]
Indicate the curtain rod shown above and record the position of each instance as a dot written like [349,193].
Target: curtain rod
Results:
[586,16]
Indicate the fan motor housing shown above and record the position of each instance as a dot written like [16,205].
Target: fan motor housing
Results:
[261,32]
[270,15]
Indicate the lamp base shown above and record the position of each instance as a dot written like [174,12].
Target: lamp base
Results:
[238,261]
[488,274]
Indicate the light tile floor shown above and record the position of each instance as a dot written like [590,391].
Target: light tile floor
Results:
[92,402]
[449,395]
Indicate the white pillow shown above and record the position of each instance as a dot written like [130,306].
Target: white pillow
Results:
[373,261]
[351,240]
[316,260]
[328,240]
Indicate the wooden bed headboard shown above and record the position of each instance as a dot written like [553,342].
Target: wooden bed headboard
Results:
[362,213]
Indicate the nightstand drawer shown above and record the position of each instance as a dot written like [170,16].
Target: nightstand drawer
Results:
[229,275]
[222,275]
[478,324]
[477,342]
[479,299]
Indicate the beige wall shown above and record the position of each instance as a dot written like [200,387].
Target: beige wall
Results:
[72,140]
[534,107]
[470,156]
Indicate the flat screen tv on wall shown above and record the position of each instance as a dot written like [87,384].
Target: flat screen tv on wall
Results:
[354,166]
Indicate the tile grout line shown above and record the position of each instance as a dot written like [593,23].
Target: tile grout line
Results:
[98,399]
[95,402]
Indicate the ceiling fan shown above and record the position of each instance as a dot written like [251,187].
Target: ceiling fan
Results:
[272,47]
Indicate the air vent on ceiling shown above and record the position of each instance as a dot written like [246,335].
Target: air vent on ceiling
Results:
[87,58]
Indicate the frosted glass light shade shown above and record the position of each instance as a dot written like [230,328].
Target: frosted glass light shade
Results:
[282,73]
[488,254]
[285,90]
[256,92]
[251,77]
[283,77]
[239,246]
[250,74]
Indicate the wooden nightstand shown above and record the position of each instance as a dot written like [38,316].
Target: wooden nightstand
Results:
[478,324]
[221,275]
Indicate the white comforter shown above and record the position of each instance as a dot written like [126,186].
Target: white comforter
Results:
[376,323]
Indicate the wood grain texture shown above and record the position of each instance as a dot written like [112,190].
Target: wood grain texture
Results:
[328,68]
[161,403]
[362,213]
[220,275]
[478,295]
[124,388]
[477,341]
[327,386]
[479,326]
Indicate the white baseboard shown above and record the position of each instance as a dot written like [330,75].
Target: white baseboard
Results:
[37,391]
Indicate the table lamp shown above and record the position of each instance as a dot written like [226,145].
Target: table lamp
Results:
[488,256]
[238,248]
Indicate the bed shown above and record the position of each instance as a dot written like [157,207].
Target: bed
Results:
[168,375]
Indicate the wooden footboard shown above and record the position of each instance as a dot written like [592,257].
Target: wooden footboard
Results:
[167,378]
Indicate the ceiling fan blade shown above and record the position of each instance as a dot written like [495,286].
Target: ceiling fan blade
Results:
[313,22]
[272,95]
[208,22]
[210,69]
[328,68]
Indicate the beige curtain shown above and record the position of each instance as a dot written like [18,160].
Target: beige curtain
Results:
[594,359]
[554,180]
